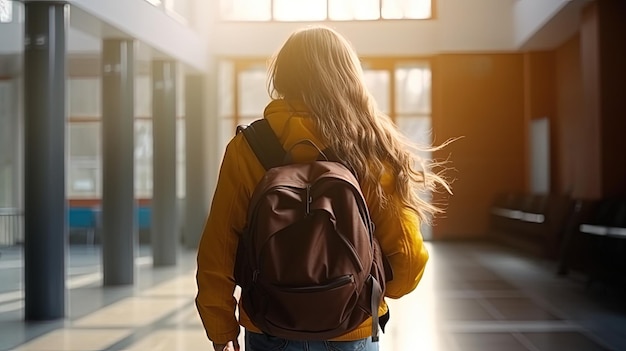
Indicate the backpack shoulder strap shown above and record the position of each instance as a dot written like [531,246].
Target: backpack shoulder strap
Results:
[264,143]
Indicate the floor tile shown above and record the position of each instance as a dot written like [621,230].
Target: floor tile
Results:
[168,340]
[489,285]
[463,309]
[76,340]
[473,296]
[132,312]
[487,342]
[558,341]
[520,309]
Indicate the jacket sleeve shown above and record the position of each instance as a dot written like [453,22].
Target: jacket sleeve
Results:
[401,241]
[216,253]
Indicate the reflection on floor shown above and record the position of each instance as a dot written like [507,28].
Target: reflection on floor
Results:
[474,296]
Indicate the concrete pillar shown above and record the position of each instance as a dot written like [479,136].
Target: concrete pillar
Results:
[165,236]
[119,230]
[45,209]
[195,150]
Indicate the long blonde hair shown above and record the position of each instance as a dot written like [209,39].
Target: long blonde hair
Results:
[317,66]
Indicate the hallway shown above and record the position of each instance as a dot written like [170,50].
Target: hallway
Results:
[474,296]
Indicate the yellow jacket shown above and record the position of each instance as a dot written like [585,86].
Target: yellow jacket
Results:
[240,172]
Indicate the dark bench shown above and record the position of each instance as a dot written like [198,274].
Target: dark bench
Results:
[531,222]
[596,241]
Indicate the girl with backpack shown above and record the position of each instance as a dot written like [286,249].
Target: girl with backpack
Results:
[318,94]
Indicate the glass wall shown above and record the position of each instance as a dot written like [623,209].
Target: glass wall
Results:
[242,95]
[84,176]
[8,139]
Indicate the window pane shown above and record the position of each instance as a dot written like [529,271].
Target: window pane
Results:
[414,9]
[345,10]
[418,9]
[227,132]
[377,82]
[83,179]
[84,95]
[84,139]
[6,11]
[246,10]
[7,171]
[143,96]
[418,130]
[299,10]
[225,89]
[8,140]
[84,162]
[180,95]
[180,158]
[413,88]
[143,158]
[253,95]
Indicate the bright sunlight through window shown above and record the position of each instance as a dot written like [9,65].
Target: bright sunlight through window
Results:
[321,10]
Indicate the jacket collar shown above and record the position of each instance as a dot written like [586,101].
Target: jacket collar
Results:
[286,107]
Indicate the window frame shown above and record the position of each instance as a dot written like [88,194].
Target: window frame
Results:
[433,16]
[389,64]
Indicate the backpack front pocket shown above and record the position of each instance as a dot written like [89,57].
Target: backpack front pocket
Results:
[316,308]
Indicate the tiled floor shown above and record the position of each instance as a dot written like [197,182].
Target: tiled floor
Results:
[474,296]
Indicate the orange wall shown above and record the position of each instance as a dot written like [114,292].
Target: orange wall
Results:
[481,98]
[577,130]
[540,102]
[603,48]
[540,84]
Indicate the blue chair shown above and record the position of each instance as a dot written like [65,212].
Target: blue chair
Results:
[83,218]
[144,217]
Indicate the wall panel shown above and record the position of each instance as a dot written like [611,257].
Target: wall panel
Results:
[481,98]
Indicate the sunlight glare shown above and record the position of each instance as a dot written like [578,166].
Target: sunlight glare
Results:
[246,10]
[410,9]
[415,316]
[299,10]
[346,10]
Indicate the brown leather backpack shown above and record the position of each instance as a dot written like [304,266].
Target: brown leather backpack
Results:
[308,263]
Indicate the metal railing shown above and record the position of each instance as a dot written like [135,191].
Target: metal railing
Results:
[11,226]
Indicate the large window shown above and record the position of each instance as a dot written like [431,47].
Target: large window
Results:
[9,165]
[401,87]
[321,10]
[84,176]
[6,11]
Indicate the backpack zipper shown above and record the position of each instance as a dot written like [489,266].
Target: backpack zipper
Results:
[309,199]
[338,282]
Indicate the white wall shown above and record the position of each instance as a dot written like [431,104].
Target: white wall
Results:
[531,15]
[378,38]
[91,21]
[475,25]
[461,25]
[152,26]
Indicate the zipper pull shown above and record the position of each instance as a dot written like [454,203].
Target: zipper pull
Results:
[309,199]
